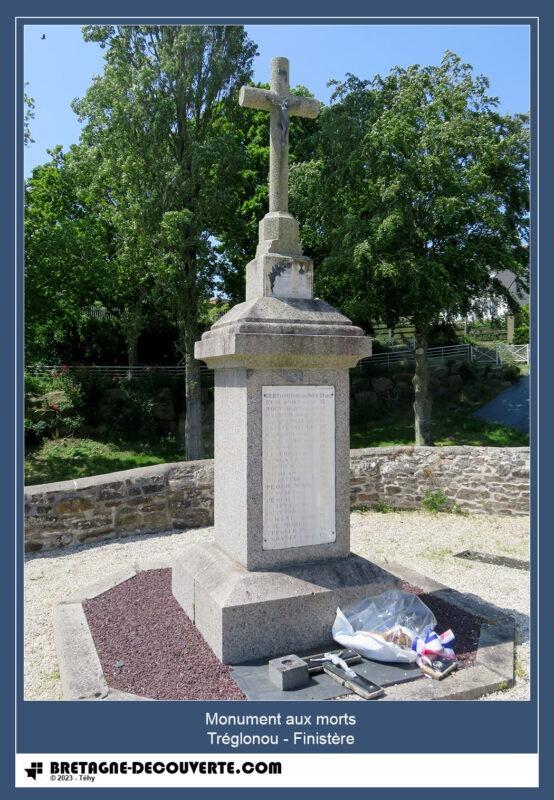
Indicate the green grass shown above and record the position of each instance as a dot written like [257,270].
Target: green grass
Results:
[65,459]
[450,427]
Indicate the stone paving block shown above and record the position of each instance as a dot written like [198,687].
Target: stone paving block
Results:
[288,672]
[80,670]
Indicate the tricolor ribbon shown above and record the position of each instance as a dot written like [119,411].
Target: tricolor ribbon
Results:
[433,645]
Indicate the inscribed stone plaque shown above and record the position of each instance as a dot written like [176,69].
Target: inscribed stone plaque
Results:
[298,457]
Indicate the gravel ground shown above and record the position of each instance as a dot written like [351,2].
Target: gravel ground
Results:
[427,543]
[149,647]
[422,541]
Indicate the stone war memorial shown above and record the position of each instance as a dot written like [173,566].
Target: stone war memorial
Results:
[252,611]
[281,562]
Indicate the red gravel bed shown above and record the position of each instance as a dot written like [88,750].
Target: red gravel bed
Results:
[465,626]
[148,646]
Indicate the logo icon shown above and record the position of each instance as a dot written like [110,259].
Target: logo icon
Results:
[34,770]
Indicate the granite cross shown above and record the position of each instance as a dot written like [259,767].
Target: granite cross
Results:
[281,105]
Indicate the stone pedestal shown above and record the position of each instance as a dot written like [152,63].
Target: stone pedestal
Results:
[245,615]
[281,562]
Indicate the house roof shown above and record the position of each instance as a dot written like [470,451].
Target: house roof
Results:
[508,279]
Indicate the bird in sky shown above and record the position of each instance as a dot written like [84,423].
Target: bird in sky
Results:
[43,36]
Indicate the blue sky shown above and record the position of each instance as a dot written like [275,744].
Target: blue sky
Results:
[61,66]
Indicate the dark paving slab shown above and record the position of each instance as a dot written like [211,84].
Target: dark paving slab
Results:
[253,679]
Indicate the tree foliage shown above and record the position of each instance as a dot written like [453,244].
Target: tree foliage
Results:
[158,118]
[418,193]
[411,190]
[68,251]
[28,115]
[522,331]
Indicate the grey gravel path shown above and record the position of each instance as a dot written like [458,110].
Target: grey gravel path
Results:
[419,540]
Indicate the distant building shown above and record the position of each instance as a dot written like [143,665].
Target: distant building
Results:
[508,279]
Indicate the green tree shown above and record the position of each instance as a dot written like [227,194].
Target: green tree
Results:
[158,118]
[418,194]
[29,114]
[522,327]
[68,246]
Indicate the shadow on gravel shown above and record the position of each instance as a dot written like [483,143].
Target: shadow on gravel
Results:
[119,540]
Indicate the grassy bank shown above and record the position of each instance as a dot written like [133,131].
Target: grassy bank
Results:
[65,459]
[450,427]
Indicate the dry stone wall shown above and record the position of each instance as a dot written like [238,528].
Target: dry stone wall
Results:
[483,480]
[140,500]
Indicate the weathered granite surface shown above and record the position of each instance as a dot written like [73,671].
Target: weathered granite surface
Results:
[245,615]
[239,465]
[280,104]
[273,332]
[281,337]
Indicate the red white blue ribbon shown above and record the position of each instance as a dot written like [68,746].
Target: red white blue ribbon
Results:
[433,645]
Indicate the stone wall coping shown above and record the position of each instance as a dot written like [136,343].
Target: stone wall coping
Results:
[113,477]
[165,469]
[411,449]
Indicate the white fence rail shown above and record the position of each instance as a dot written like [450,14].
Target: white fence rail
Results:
[45,370]
[499,354]
[485,355]
[514,353]
[441,355]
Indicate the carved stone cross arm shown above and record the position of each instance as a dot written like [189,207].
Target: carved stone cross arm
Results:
[281,105]
[266,100]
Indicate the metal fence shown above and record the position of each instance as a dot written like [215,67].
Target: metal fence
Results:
[99,312]
[501,353]
[484,355]
[441,355]
[52,370]
[513,353]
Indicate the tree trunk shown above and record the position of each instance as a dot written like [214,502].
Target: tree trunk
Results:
[132,349]
[131,323]
[422,397]
[187,320]
[193,420]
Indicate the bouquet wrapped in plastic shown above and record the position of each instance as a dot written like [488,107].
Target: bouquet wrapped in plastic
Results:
[394,626]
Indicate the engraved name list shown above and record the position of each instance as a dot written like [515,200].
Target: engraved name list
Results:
[298,458]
